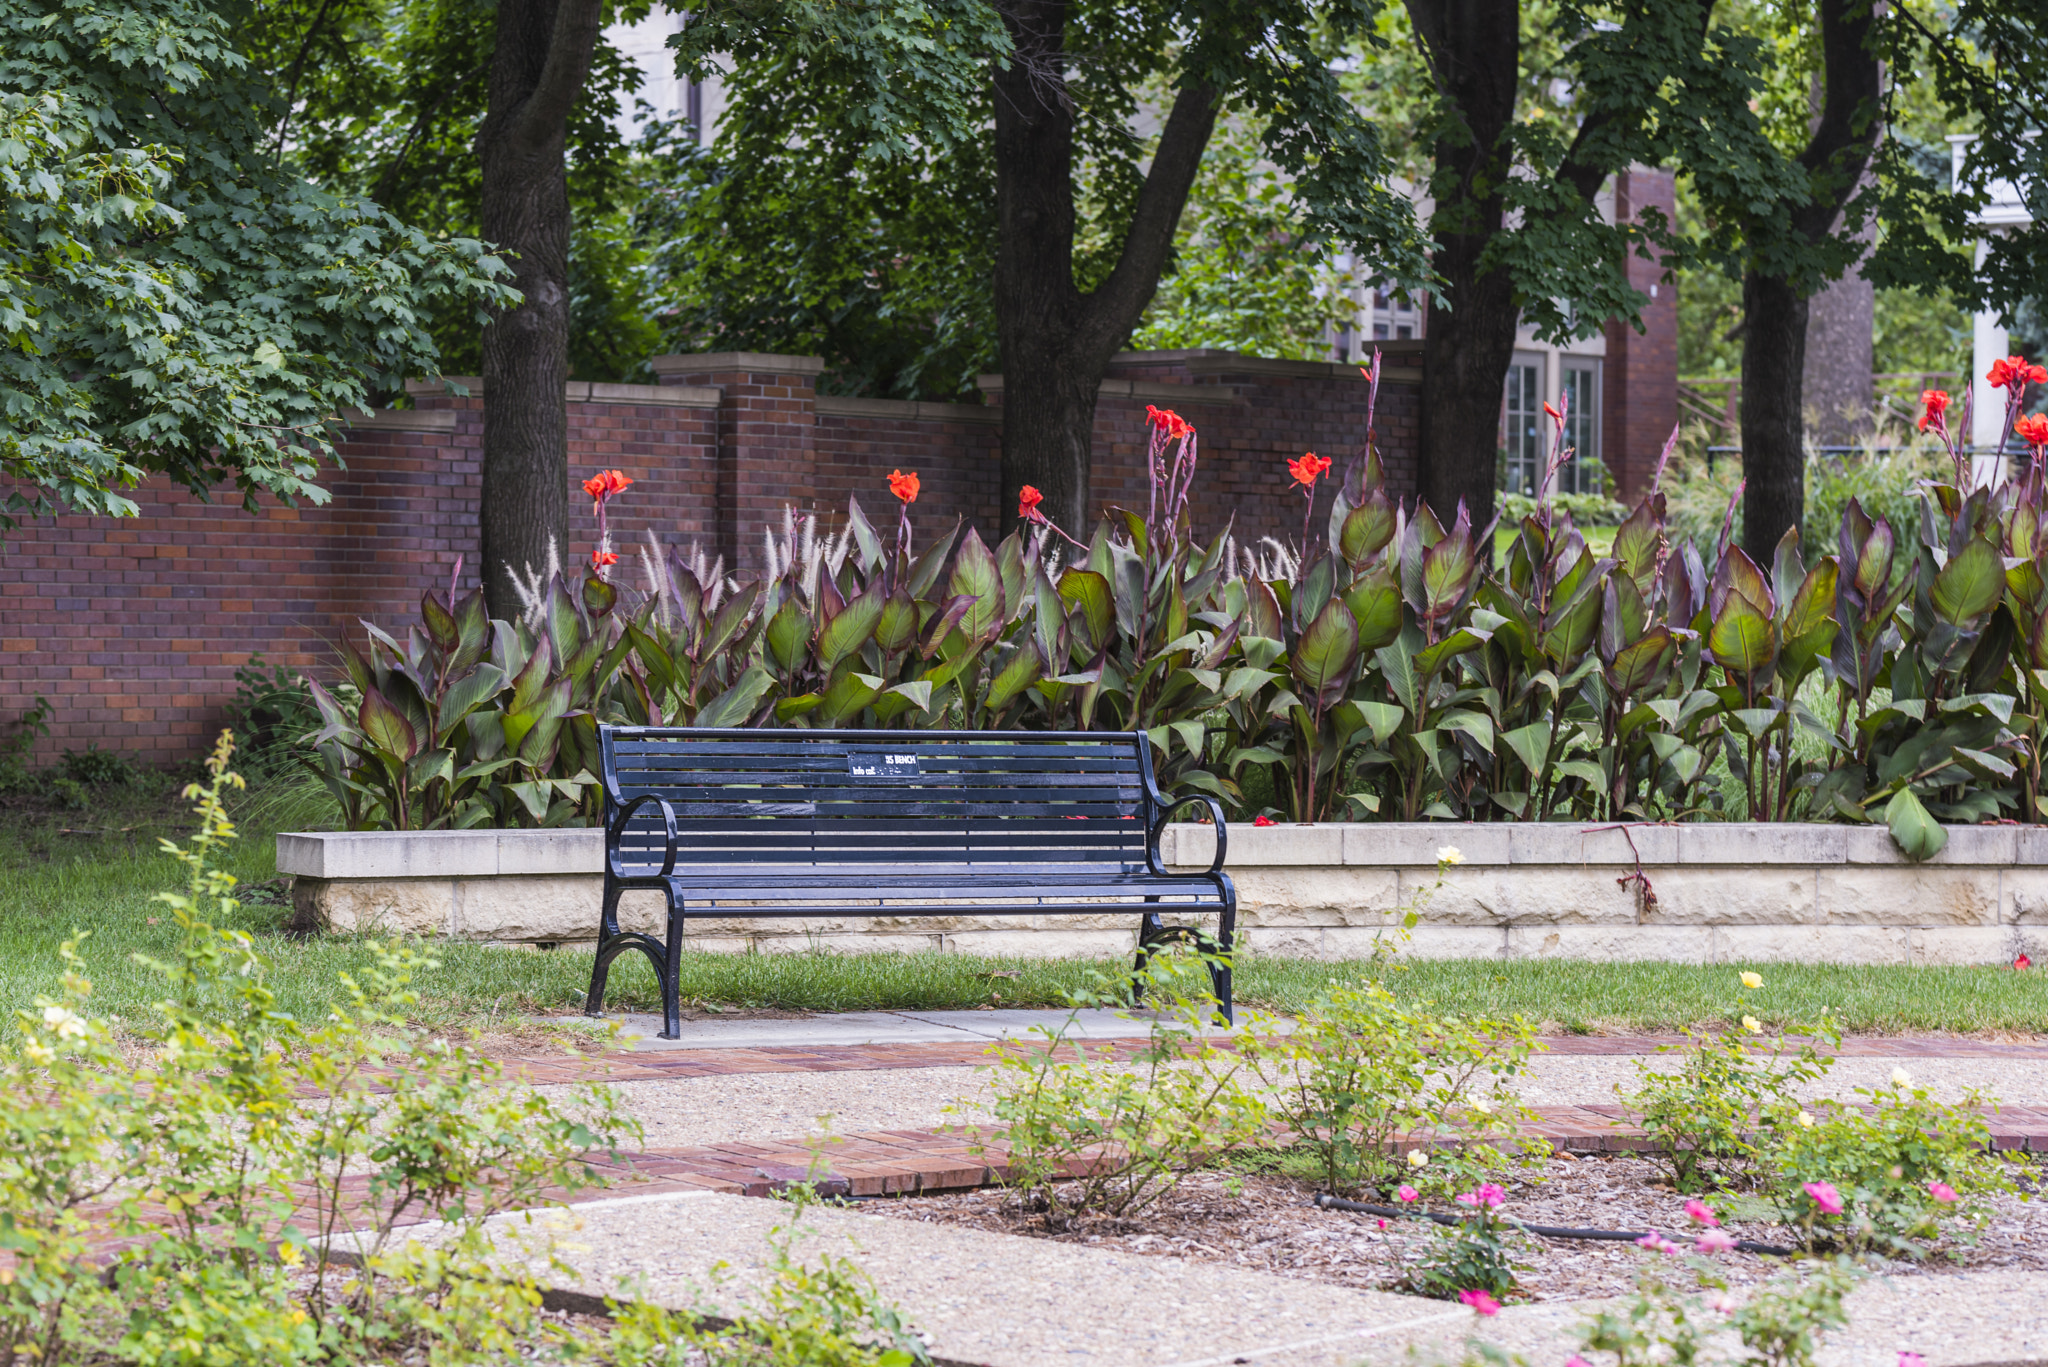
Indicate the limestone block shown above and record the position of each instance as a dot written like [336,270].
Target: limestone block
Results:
[1259,846]
[1812,944]
[1426,942]
[2033,844]
[1684,944]
[1283,942]
[560,907]
[1966,845]
[2024,892]
[2030,940]
[716,944]
[770,943]
[1709,842]
[1694,896]
[1521,895]
[1863,894]
[1321,896]
[388,854]
[1045,944]
[641,910]
[1961,945]
[1575,842]
[1415,843]
[562,851]
[392,906]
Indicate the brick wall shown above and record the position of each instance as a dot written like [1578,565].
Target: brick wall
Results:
[1641,402]
[134,628]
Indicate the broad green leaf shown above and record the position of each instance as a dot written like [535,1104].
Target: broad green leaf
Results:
[385,727]
[1918,835]
[846,695]
[789,630]
[1023,669]
[1531,745]
[1324,657]
[1089,591]
[1384,718]
[736,704]
[1970,584]
[1474,724]
[464,696]
[1366,531]
[850,630]
[1741,638]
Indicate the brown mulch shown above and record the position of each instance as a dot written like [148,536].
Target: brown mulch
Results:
[1268,1223]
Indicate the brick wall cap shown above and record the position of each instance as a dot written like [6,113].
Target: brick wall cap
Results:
[1141,389]
[842,406]
[584,391]
[398,419]
[766,362]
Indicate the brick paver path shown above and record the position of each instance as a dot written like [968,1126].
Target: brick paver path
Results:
[904,1161]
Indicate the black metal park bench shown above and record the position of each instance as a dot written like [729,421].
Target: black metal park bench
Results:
[840,824]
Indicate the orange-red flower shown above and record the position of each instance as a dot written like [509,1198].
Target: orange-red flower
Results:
[2032,429]
[1028,500]
[1933,403]
[2009,371]
[903,486]
[599,559]
[1168,421]
[605,483]
[1557,416]
[1308,469]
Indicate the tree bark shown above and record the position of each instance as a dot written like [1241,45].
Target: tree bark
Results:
[542,56]
[1776,305]
[1057,342]
[1473,48]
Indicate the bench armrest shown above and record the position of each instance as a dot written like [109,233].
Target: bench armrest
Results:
[618,828]
[1166,804]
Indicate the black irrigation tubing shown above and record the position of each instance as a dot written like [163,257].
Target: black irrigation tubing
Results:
[1545,1231]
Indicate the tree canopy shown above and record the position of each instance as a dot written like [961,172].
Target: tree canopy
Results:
[174,297]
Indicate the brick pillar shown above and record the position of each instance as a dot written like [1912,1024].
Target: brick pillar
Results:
[767,434]
[1641,402]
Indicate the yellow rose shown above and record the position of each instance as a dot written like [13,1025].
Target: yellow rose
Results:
[1450,854]
[1753,1025]
[1806,1119]
[1418,1158]
[1752,980]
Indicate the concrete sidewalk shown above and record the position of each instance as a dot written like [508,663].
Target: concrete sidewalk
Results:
[999,1300]
[854,1028]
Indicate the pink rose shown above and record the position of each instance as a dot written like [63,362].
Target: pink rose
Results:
[1701,1213]
[1941,1191]
[1907,1359]
[1480,1301]
[1716,1241]
[1656,1243]
[1407,1195]
[1825,1196]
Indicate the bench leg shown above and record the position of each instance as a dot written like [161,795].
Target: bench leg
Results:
[666,958]
[1219,965]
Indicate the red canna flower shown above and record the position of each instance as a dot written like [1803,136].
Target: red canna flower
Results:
[1934,403]
[1308,469]
[1262,820]
[1028,499]
[1553,412]
[605,483]
[599,559]
[1169,422]
[2032,429]
[903,486]
[2014,370]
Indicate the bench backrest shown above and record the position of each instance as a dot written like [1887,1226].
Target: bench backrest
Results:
[810,797]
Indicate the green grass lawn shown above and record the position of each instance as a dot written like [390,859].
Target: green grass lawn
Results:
[95,870]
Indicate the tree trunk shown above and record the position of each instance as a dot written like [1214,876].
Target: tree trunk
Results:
[1056,342]
[1773,393]
[1473,48]
[1776,307]
[542,56]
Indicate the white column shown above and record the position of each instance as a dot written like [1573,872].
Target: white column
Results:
[1988,341]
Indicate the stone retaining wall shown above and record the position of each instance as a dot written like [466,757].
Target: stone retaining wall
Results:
[1714,893]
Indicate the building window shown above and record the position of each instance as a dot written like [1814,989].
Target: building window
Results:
[1523,432]
[1583,473]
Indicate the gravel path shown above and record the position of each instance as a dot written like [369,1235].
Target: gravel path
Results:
[687,1112]
[1579,1081]
[714,1110]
